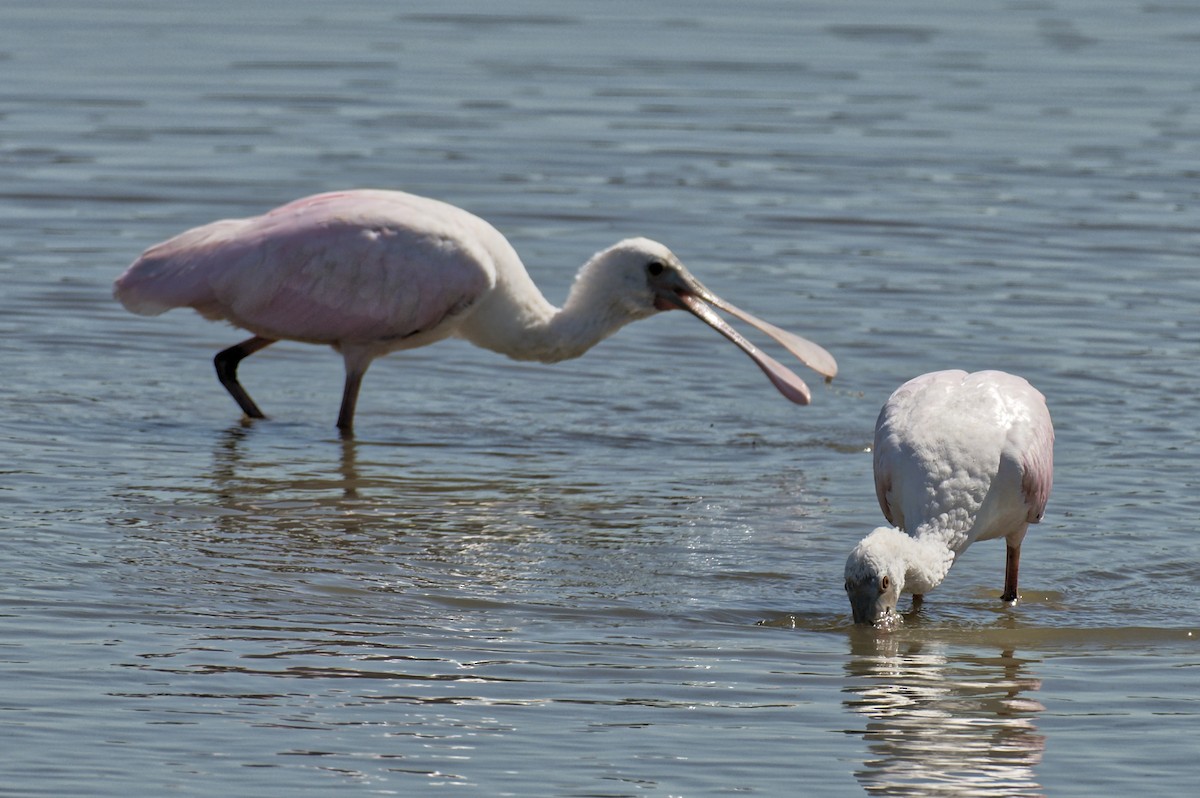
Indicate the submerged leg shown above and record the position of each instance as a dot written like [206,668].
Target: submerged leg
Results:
[1012,563]
[355,369]
[227,361]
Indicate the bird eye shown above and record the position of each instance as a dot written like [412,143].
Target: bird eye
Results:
[884,583]
[847,585]
[655,268]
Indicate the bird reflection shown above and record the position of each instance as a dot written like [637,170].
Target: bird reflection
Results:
[230,466]
[939,725]
[388,517]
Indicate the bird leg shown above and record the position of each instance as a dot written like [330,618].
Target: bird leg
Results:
[1012,562]
[227,361]
[354,375]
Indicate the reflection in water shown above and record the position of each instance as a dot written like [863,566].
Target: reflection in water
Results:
[229,462]
[336,498]
[443,535]
[942,725]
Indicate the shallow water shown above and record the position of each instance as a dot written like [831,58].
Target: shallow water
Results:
[618,575]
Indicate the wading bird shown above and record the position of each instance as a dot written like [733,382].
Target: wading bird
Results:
[958,458]
[370,272]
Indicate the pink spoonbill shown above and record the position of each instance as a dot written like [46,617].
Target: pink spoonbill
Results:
[958,458]
[371,272]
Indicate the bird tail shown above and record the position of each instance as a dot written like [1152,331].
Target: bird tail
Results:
[178,272]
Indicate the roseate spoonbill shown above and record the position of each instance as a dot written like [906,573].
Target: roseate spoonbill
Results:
[958,458]
[370,272]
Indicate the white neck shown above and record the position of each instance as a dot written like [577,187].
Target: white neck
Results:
[929,560]
[518,321]
[925,560]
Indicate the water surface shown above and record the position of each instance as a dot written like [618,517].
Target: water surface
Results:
[620,575]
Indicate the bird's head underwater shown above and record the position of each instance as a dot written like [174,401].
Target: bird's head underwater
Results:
[875,573]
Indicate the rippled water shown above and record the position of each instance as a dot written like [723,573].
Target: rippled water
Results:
[619,575]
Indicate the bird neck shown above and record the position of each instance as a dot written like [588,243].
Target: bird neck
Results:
[927,560]
[518,321]
[585,319]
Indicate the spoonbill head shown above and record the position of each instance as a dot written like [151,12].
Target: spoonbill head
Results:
[369,272]
[958,458]
[875,576]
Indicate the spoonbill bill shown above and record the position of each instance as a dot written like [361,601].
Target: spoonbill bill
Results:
[370,272]
[958,458]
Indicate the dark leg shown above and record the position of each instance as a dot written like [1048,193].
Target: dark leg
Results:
[918,600]
[1012,563]
[345,420]
[227,361]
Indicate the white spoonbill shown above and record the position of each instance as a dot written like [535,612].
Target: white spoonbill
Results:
[370,272]
[958,458]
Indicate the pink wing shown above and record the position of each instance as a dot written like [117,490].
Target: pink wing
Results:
[1037,464]
[1030,439]
[342,267]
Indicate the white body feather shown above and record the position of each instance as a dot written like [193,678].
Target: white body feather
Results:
[958,458]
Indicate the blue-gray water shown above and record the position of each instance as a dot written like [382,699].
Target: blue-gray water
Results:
[617,576]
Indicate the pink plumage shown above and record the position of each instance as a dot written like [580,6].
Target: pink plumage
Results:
[370,272]
[348,267]
[958,458]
